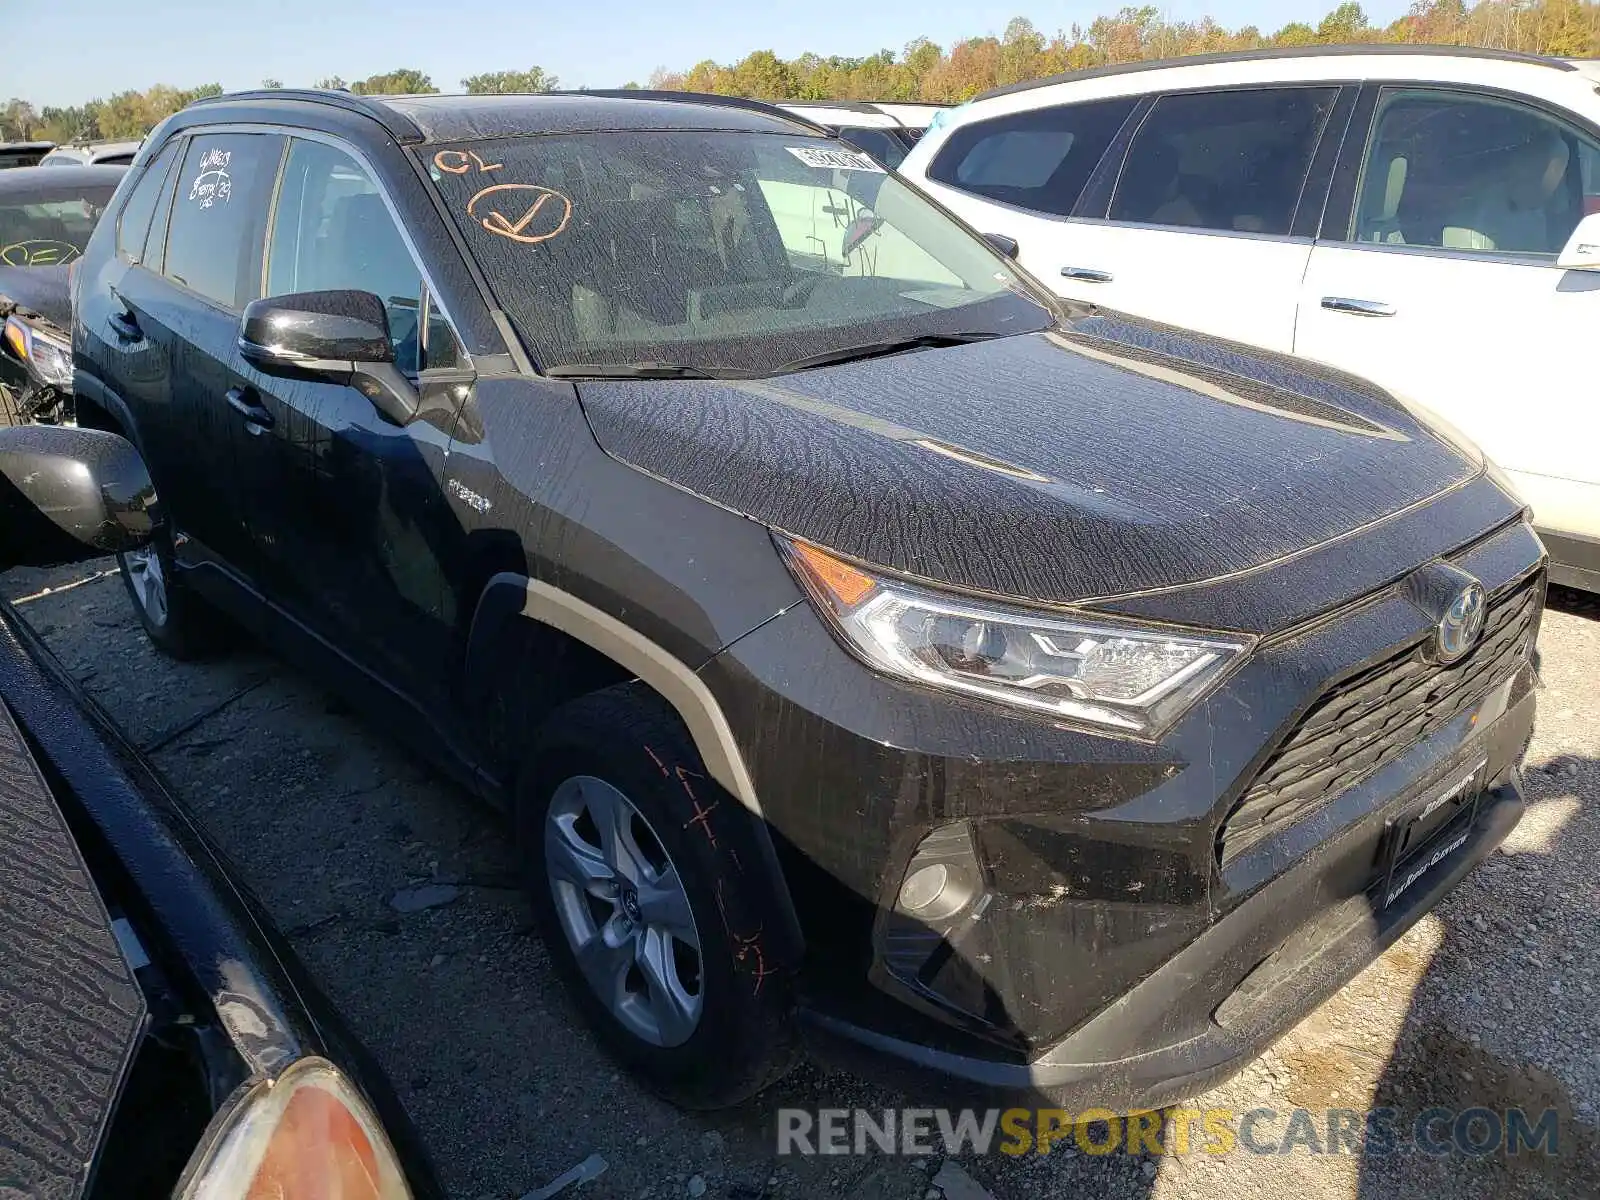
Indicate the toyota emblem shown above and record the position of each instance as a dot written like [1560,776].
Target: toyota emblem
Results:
[1462,623]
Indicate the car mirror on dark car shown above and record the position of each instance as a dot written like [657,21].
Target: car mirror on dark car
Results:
[340,336]
[70,494]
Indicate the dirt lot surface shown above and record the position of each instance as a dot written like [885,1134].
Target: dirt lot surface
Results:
[1494,1000]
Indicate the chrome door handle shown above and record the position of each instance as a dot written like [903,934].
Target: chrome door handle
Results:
[1086,274]
[1359,308]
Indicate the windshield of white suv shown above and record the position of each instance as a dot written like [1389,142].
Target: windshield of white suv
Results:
[718,252]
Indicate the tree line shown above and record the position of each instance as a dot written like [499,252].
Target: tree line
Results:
[925,71]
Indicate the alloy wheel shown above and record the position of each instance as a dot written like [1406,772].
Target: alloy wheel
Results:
[149,583]
[624,911]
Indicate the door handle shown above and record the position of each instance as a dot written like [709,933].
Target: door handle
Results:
[1359,308]
[1086,274]
[247,404]
[126,326]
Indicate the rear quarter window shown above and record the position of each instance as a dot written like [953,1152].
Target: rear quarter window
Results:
[1039,160]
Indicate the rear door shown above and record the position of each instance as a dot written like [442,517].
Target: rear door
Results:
[347,508]
[115,355]
[1201,228]
[178,317]
[1436,277]
[1022,174]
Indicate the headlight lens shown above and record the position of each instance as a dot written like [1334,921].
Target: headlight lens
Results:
[1120,677]
[307,1135]
[48,356]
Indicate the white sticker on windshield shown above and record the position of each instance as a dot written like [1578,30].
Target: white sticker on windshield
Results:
[838,160]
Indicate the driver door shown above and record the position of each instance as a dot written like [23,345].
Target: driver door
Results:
[346,505]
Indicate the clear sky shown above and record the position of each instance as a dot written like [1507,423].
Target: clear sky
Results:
[105,47]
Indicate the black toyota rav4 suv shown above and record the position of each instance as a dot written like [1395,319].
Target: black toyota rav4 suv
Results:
[864,647]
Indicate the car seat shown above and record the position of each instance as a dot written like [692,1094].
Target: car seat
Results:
[1510,210]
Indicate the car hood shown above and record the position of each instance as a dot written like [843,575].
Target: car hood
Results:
[42,290]
[1107,457]
[69,1005]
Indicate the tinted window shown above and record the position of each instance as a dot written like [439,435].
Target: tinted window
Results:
[155,246]
[1040,160]
[717,250]
[214,239]
[1233,161]
[48,226]
[1472,173]
[1589,163]
[333,231]
[134,223]
[882,144]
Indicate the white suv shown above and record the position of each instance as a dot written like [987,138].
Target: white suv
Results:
[1429,219]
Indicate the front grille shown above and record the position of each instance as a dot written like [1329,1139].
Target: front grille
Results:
[1374,717]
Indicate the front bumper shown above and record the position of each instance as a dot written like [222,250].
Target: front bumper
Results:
[1126,954]
[1121,1059]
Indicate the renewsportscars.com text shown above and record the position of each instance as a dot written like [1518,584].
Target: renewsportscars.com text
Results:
[1438,1132]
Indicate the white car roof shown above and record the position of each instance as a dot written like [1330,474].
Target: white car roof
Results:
[1565,82]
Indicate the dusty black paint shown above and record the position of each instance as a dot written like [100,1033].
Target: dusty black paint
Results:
[71,1009]
[1133,480]
[1112,463]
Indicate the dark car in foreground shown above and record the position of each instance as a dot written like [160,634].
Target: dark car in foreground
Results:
[865,647]
[160,1041]
[46,217]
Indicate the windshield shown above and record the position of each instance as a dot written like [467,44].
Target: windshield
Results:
[719,251]
[41,229]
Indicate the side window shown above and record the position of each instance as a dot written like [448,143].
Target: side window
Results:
[1231,161]
[155,246]
[332,231]
[134,223]
[1475,173]
[219,207]
[880,143]
[1039,160]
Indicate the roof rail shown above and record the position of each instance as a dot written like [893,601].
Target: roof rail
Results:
[855,106]
[1233,56]
[400,127]
[763,106]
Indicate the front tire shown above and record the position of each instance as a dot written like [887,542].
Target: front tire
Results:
[633,866]
[178,622]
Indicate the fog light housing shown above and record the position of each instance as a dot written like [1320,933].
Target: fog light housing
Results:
[933,945]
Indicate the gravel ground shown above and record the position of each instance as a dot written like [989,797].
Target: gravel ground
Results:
[1492,1000]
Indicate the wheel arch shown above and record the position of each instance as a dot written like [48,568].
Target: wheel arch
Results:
[98,407]
[510,598]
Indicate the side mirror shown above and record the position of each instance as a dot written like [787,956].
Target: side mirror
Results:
[1582,252]
[1006,245]
[69,494]
[337,336]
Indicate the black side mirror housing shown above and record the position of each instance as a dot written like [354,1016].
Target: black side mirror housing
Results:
[70,494]
[337,336]
[1006,245]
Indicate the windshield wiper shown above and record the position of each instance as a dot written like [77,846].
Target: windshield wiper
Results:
[638,370]
[844,354]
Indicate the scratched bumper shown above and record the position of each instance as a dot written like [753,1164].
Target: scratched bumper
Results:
[1184,1028]
[1117,944]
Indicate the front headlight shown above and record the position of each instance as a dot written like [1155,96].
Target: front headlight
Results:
[1118,677]
[49,356]
[306,1135]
